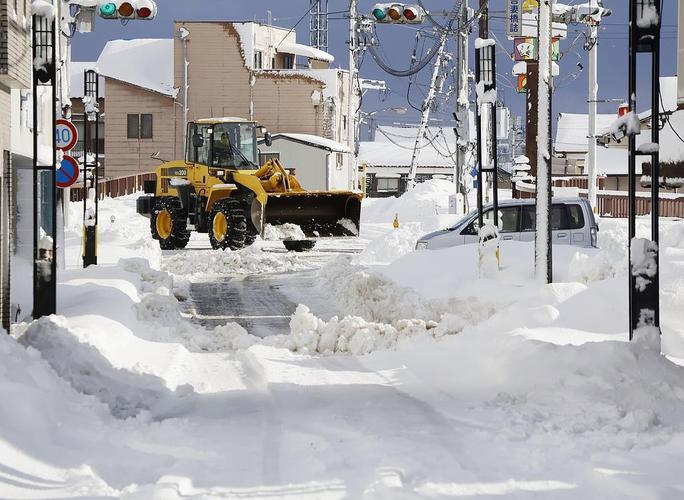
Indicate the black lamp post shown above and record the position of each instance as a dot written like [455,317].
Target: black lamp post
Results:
[44,175]
[91,91]
[644,37]
[485,77]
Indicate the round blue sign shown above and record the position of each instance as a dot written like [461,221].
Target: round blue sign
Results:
[67,173]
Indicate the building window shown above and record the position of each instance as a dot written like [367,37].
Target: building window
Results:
[258,59]
[273,63]
[388,184]
[288,61]
[146,126]
[264,157]
[139,126]
[133,126]
[340,161]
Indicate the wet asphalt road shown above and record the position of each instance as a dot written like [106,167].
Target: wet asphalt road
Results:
[263,303]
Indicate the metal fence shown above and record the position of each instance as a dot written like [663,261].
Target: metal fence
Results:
[611,205]
[114,188]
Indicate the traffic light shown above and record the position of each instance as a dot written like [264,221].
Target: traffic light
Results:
[398,13]
[128,9]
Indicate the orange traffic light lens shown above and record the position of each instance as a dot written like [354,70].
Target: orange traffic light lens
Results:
[394,14]
[126,9]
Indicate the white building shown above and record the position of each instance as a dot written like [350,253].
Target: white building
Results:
[320,164]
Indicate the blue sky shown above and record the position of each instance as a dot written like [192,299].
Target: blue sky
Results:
[397,43]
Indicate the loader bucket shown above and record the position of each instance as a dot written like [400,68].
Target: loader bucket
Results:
[321,214]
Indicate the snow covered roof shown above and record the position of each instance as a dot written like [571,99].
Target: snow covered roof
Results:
[314,140]
[76,70]
[393,147]
[305,51]
[613,161]
[668,93]
[572,131]
[145,63]
[671,144]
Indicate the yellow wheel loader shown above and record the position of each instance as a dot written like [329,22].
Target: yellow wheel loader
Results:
[220,189]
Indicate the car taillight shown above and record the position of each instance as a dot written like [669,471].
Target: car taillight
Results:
[594,238]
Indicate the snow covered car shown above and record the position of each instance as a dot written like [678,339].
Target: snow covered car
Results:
[572,223]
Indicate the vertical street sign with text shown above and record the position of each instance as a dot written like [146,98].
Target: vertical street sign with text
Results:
[514,18]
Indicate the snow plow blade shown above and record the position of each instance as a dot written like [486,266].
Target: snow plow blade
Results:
[323,214]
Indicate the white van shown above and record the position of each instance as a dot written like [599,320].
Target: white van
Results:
[572,223]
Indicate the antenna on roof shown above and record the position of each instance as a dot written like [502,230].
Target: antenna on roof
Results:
[318,27]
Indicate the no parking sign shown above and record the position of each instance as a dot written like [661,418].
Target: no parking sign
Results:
[66,135]
[67,173]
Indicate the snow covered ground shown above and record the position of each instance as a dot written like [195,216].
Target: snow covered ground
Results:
[430,383]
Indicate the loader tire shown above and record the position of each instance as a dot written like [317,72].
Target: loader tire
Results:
[299,246]
[168,224]
[227,225]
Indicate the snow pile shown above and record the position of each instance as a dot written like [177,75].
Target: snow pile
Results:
[251,260]
[43,8]
[484,42]
[351,334]
[121,232]
[286,231]
[391,245]
[421,203]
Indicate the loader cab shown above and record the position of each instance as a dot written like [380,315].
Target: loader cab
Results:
[229,145]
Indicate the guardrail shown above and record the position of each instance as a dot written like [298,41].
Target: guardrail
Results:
[113,188]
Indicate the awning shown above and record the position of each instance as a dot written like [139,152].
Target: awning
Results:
[305,51]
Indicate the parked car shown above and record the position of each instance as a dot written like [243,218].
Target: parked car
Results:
[572,223]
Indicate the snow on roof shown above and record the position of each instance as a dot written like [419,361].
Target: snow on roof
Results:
[305,51]
[668,93]
[613,161]
[393,147]
[76,70]
[145,63]
[316,141]
[671,144]
[224,119]
[572,131]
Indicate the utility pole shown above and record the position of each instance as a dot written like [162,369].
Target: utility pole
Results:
[427,105]
[351,105]
[543,249]
[462,115]
[593,96]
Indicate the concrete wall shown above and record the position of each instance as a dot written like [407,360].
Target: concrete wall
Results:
[131,156]
[220,84]
[15,45]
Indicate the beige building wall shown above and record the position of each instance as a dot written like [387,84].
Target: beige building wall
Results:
[221,84]
[131,156]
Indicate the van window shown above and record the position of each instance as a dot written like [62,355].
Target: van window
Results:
[508,221]
[563,217]
[575,216]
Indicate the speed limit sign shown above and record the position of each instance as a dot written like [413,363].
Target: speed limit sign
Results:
[66,135]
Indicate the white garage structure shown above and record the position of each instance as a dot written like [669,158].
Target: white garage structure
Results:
[319,163]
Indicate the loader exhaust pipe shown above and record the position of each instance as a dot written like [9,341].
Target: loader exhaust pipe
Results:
[319,215]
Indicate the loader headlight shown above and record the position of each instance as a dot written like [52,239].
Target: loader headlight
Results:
[421,245]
